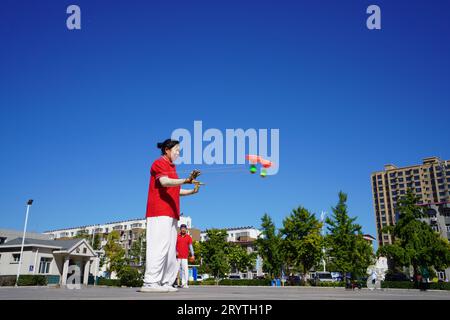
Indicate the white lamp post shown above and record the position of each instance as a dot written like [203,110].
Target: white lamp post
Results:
[322,219]
[29,203]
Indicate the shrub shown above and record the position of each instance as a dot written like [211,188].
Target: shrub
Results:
[233,282]
[32,280]
[439,286]
[7,281]
[397,284]
[130,277]
[108,282]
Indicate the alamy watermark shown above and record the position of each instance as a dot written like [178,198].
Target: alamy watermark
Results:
[74,278]
[229,147]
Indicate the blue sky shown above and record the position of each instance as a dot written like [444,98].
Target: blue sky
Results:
[81,111]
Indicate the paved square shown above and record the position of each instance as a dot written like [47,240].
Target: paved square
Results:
[219,293]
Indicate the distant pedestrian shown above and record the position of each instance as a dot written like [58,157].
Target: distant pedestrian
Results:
[184,246]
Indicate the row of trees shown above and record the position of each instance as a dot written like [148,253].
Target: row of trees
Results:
[298,246]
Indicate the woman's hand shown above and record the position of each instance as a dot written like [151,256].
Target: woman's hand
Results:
[194,174]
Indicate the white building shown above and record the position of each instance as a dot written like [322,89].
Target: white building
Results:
[51,258]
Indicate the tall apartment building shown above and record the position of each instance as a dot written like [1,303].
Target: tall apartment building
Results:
[430,181]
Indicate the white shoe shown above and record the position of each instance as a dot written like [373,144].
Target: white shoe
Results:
[169,288]
[185,286]
[153,287]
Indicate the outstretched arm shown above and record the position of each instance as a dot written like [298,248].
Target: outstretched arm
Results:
[184,192]
[169,182]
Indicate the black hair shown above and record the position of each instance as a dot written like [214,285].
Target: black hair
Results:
[167,144]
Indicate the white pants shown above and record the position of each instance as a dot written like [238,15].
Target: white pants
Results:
[161,259]
[184,271]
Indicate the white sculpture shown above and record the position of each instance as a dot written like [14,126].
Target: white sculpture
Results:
[377,273]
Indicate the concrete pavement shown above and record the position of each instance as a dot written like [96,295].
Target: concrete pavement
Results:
[218,293]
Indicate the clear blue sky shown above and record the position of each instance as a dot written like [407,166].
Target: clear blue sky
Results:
[81,111]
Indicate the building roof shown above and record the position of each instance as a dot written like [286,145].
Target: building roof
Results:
[12,234]
[62,244]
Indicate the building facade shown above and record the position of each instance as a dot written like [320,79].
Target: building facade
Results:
[129,231]
[50,258]
[430,181]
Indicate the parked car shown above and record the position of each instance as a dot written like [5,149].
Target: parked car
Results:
[199,277]
[234,276]
[324,277]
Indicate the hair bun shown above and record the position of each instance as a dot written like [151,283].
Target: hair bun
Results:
[159,145]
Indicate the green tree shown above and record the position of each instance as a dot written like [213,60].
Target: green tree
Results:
[114,253]
[346,247]
[302,241]
[137,253]
[214,253]
[415,242]
[268,246]
[97,242]
[240,260]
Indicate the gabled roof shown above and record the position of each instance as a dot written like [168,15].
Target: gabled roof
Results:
[59,244]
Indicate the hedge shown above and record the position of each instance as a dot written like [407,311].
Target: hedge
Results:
[108,282]
[7,281]
[32,280]
[233,282]
[398,284]
[439,285]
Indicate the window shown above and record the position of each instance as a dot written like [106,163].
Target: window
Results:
[447,226]
[416,171]
[44,265]
[401,185]
[417,184]
[15,258]
[416,177]
[85,250]
[418,190]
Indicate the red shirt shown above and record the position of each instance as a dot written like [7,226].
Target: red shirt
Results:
[183,246]
[163,201]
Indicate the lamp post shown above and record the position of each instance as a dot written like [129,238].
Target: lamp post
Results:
[29,203]
[322,219]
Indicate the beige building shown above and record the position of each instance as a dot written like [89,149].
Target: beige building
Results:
[430,181]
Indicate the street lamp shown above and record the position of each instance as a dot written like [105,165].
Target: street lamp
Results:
[322,219]
[29,203]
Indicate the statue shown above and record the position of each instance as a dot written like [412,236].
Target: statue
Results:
[377,273]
